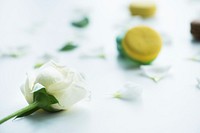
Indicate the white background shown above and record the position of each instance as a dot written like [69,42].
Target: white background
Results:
[169,106]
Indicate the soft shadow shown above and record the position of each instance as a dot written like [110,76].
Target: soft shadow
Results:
[136,102]
[132,104]
[126,63]
[195,41]
[70,118]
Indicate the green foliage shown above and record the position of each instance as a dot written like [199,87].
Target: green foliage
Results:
[83,22]
[68,47]
[45,100]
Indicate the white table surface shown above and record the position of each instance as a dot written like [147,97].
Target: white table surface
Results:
[169,106]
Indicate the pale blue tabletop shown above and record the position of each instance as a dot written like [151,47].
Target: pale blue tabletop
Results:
[170,106]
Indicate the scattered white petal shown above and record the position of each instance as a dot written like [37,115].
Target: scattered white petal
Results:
[98,52]
[198,83]
[44,59]
[155,72]
[195,58]
[130,91]
[166,38]
[14,52]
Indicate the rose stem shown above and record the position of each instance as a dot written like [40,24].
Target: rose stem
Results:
[20,112]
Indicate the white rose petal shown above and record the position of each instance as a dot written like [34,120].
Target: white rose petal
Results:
[27,87]
[130,91]
[13,51]
[65,84]
[97,52]
[155,72]
[37,87]
[69,96]
[48,76]
[195,58]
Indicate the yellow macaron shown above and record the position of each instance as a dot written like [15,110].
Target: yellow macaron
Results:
[143,8]
[141,44]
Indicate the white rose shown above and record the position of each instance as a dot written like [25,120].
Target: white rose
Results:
[66,85]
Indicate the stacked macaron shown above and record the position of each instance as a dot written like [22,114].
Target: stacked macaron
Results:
[195,29]
[141,44]
[143,8]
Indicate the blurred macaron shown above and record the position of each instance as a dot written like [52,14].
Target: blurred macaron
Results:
[141,44]
[195,29]
[143,8]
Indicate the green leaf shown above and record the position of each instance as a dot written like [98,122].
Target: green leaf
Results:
[68,47]
[45,100]
[83,22]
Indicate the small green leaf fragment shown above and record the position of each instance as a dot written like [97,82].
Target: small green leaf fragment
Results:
[117,95]
[102,56]
[38,65]
[44,59]
[83,22]
[68,47]
[13,54]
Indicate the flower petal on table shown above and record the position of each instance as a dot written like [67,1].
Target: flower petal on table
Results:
[155,72]
[130,91]
[98,52]
[195,57]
